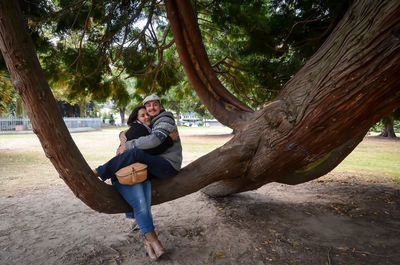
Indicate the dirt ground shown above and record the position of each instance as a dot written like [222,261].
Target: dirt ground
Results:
[349,221]
[338,219]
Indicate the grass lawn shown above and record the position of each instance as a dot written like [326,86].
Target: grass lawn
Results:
[23,164]
[374,158]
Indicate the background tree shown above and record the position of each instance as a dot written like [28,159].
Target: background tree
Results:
[317,119]
[388,124]
[8,96]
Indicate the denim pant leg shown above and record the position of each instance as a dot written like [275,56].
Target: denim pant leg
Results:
[157,166]
[147,195]
[138,197]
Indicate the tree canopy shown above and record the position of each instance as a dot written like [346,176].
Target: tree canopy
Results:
[88,49]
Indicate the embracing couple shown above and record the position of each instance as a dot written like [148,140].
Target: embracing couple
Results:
[152,139]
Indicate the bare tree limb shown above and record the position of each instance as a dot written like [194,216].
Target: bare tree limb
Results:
[81,39]
[298,23]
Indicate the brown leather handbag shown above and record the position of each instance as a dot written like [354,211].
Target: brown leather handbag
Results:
[132,174]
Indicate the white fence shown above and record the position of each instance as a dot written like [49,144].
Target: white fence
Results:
[83,122]
[24,124]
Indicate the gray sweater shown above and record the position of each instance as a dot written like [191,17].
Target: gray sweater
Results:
[162,125]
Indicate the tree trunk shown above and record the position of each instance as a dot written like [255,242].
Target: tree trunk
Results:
[388,131]
[178,117]
[82,107]
[29,81]
[122,114]
[318,119]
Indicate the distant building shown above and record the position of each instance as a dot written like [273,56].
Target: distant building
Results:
[213,123]
[192,120]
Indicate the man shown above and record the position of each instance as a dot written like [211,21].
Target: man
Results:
[164,165]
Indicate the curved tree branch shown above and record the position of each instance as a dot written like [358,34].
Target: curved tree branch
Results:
[159,63]
[219,101]
[298,23]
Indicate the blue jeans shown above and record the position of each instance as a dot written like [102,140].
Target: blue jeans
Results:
[138,196]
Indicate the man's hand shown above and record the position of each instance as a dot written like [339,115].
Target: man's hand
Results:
[174,135]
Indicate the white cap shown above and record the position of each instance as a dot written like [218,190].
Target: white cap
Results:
[150,98]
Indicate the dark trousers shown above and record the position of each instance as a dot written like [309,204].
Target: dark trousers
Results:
[156,165]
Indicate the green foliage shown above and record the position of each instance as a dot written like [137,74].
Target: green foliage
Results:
[183,99]
[92,110]
[68,110]
[380,126]
[170,75]
[264,43]
[392,117]
[7,95]
[99,42]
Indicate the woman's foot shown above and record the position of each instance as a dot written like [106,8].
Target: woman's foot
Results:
[152,238]
[149,249]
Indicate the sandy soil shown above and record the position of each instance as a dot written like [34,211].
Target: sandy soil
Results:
[349,221]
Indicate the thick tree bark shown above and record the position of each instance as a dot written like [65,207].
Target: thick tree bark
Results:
[318,119]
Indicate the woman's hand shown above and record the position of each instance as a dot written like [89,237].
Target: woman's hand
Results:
[174,135]
[122,139]
[121,149]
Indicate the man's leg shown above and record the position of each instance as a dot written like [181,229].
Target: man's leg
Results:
[157,166]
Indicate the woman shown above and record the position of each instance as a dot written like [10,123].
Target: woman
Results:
[138,196]
[139,122]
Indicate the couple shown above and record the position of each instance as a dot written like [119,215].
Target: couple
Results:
[153,147]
